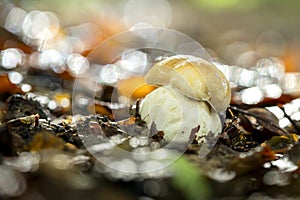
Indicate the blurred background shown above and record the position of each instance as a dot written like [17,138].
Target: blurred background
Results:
[45,46]
[234,31]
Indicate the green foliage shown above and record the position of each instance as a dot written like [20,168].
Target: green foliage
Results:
[188,179]
[244,5]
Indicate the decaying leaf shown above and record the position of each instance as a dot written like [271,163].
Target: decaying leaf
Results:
[25,105]
[252,160]
[17,133]
[284,141]
[264,121]
[260,122]
[45,140]
[236,137]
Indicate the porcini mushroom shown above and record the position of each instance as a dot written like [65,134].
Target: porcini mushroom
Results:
[192,93]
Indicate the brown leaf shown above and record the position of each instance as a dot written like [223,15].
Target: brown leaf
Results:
[253,160]
[267,121]
[260,121]
[45,140]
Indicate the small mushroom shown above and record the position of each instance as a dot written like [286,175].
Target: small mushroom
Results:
[192,92]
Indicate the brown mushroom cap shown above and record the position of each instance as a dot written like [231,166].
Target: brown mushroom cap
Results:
[193,77]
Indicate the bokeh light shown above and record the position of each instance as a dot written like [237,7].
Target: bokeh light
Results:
[14,20]
[157,13]
[39,27]
[11,58]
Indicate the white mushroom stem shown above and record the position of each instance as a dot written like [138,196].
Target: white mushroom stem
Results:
[179,116]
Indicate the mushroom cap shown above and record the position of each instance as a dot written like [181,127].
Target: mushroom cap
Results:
[193,77]
[177,115]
